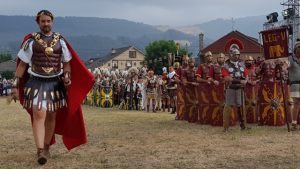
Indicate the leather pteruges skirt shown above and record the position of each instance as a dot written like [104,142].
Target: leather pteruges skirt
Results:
[47,94]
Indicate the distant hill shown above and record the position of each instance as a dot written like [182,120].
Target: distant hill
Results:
[91,37]
[94,37]
[217,28]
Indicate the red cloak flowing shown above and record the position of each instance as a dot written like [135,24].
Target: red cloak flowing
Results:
[69,121]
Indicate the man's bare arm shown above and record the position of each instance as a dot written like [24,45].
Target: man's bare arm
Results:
[67,73]
[21,69]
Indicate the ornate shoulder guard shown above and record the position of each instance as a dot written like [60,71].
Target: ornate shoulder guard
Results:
[25,45]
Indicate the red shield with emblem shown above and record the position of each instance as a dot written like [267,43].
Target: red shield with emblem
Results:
[205,98]
[251,108]
[271,103]
[180,110]
[191,103]
[217,105]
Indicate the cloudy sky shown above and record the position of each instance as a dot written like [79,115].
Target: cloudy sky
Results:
[154,12]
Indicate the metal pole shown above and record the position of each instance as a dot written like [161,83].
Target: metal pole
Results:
[279,67]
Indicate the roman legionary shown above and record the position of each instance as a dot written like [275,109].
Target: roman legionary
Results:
[294,79]
[205,71]
[132,88]
[234,96]
[221,59]
[180,70]
[190,83]
[220,75]
[266,71]
[172,86]
[252,71]
[218,68]
[164,91]
[140,93]
[251,90]
[158,93]
[189,74]
[180,88]
[151,89]
[46,66]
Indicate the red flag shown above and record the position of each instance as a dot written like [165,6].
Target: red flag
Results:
[275,42]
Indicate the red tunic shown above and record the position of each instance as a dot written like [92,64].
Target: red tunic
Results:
[205,71]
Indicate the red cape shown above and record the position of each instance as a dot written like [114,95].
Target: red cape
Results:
[69,121]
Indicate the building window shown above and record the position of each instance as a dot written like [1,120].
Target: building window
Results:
[134,64]
[132,54]
[108,64]
[115,65]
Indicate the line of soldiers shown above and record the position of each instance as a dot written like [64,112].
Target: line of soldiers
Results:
[134,89]
[214,93]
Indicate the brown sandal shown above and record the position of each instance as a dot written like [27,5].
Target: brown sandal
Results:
[46,150]
[294,127]
[41,158]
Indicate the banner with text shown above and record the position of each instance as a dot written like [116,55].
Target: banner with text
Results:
[275,43]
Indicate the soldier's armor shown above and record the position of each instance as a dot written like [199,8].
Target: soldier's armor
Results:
[163,88]
[236,72]
[268,72]
[205,71]
[106,82]
[46,65]
[217,72]
[181,71]
[190,74]
[252,76]
[151,86]
[294,69]
[171,84]
[282,73]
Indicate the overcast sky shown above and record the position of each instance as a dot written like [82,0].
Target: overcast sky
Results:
[154,12]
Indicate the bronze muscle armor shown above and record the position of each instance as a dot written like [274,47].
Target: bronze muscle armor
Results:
[43,64]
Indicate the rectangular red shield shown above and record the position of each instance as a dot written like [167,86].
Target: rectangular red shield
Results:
[271,103]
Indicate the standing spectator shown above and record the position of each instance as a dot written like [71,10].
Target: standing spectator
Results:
[1,87]
[5,85]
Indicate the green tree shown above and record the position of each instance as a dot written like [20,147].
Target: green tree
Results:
[7,74]
[157,52]
[5,57]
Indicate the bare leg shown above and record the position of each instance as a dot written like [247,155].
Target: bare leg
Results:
[153,105]
[172,102]
[49,127]
[163,101]
[148,104]
[168,103]
[241,118]
[226,117]
[38,127]
[49,131]
[295,113]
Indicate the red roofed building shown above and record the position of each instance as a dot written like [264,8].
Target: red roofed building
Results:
[235,39]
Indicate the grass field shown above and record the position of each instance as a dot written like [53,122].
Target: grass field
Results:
[139,140]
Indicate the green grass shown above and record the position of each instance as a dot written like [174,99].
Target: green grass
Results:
[135,140]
